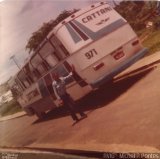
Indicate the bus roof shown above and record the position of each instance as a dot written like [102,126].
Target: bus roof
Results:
[75,15]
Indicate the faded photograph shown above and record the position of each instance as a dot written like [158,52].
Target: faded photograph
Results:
[79,79]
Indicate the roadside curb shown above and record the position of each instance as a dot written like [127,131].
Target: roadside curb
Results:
[80,153]
[145,62]
[92,148]
[9,117]
[32,153]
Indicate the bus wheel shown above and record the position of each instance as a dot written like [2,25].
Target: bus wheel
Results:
[40,115]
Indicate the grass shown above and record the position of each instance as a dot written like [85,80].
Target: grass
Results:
[10,108]
[152,42]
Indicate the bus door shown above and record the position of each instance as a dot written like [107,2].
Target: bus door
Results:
[46,103]
[76,76]
[48,81]
[78,88]
[75,85]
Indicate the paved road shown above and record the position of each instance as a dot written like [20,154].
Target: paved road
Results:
[122,116]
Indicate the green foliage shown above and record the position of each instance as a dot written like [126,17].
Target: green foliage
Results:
[9,108]
[156,23]
[153,42]
[63,15]
[39,35]
[137,13]
[4,88]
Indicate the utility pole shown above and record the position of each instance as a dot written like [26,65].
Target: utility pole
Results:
[114,2]
[13,58]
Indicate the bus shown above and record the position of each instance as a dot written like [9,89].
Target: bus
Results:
[96,40]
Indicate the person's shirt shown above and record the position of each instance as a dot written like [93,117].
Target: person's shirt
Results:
[59,87]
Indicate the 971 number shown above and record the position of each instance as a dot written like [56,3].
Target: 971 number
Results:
[91,54]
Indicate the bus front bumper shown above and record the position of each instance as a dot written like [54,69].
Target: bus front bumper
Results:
[107,77]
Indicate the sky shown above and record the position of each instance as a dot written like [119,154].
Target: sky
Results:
[18,20]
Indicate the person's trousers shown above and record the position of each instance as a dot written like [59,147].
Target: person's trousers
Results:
[70,105]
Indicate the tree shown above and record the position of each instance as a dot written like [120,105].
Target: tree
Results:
[39,35]
[137,13]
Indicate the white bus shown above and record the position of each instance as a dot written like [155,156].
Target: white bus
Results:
[96,40]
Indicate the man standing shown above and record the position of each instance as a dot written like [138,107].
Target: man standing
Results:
[59,87]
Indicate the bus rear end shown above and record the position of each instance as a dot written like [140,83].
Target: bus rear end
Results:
[101,43]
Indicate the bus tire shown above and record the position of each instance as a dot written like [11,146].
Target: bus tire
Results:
[29,111]
[40,115]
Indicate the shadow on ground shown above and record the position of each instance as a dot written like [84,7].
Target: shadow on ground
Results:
[102,96]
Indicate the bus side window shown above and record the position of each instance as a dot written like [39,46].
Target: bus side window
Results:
[24,79]
[48,81]
[38,63]
[60,49]
[19,85]
[64,49]
[16,88]
[36,73]
[51,59]
[41,68]
[47,53]
[27,71]
[26,82]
